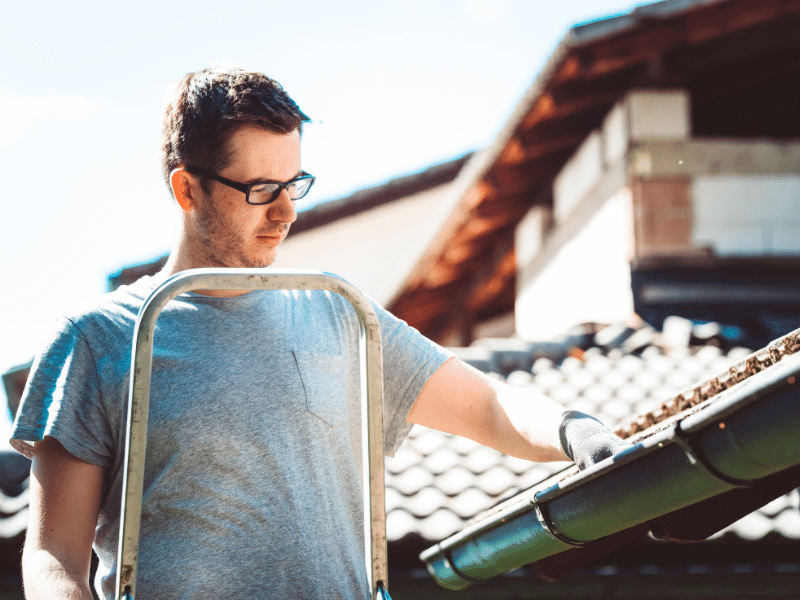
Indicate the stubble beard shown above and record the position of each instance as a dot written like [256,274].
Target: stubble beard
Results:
[220,244]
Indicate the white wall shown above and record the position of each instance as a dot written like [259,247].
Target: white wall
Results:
[642,116]
[577,178]
[737,215]
[369,249]
[659,115]
[529,234]
[589,279]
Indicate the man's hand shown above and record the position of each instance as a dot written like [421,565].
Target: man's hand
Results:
[586,440]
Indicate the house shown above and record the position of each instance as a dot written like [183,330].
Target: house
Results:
[657,147]
[651,171]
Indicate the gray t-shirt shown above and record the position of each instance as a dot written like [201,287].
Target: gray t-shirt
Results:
[253,471]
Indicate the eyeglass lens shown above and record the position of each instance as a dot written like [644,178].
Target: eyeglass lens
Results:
[268,192]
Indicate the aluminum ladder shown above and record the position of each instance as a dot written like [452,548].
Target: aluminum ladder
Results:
[371,407]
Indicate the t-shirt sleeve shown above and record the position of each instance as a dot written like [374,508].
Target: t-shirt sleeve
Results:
[62,399]
[409,360]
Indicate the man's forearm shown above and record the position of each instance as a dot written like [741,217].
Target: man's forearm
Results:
[527,424]
[45,577]
[546,432]
[461,400]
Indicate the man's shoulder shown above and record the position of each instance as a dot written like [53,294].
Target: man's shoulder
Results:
[115,310]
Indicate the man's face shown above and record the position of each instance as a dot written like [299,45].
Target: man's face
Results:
[226,231]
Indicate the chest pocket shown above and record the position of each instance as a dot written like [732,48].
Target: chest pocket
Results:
[323,382]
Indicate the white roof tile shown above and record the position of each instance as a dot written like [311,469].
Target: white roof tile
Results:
[455,481]
[481,459]
[471,502]
[400,523]
[752,527]
[441,524]
[787,523]
[497,480]
[425,502]
[412,480]
[437,481]
[441,461]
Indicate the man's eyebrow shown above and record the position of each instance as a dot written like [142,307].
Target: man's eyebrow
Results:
[259,180]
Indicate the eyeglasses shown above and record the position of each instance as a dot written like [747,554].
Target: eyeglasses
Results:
[264,192]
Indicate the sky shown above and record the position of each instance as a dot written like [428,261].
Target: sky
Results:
[392,87]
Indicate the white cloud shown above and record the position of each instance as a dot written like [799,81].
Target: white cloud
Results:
[18,114]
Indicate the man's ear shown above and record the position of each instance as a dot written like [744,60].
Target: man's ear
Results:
[181,183]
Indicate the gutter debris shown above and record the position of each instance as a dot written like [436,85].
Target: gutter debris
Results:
[698,395]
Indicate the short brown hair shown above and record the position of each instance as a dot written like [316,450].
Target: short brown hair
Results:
[205,108]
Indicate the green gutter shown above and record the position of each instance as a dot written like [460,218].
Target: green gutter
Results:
[747,432]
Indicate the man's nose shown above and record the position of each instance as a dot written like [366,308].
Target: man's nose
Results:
[282,209]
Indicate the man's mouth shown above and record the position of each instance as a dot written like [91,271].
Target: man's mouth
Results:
[270,240]
[272,237]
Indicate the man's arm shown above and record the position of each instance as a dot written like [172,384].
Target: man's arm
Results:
[65,501]
[461,400]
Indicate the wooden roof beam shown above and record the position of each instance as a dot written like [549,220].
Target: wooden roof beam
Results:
[577,123]
[489,282]
[482,226]
[420,311]
[728,17]
[569,70]
[613,84]
[696,25]
[547,107]
[704,23]
[532,150]
[422,304]
[479,193]
[639,47]
[443,274]
[459,252]
[776,41]
[513,180]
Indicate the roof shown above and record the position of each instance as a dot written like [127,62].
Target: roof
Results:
[709,456]
[438,483]
[713,48]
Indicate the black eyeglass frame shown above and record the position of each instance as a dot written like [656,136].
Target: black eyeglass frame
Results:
[246,187]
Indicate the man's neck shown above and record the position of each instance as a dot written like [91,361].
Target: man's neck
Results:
[179,262]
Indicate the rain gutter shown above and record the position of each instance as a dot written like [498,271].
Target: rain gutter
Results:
[747,432]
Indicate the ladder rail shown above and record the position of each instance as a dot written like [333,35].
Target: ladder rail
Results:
[371,376]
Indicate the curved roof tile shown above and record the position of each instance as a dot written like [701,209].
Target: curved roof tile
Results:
[437,482]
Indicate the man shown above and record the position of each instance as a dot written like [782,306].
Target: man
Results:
[252,477]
